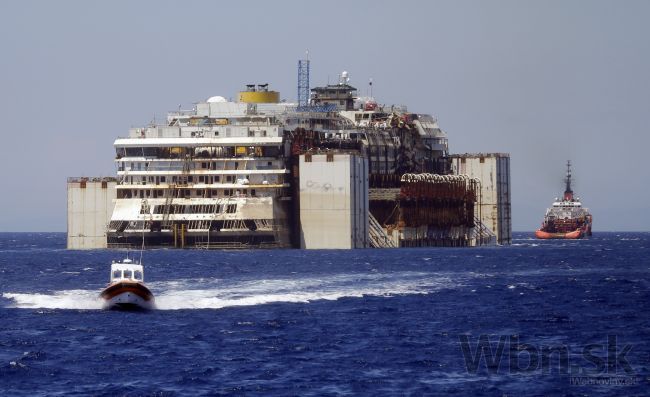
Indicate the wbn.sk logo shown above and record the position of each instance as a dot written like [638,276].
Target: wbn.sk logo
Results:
[595,359]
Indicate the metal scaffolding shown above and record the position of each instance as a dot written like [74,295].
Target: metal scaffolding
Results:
[303,83]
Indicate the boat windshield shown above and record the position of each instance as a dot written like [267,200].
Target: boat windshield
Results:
[137,275]
[117,273]
[128,274]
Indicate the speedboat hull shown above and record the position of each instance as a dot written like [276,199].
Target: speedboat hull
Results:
[125,295]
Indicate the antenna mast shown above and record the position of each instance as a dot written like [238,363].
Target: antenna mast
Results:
[568,193]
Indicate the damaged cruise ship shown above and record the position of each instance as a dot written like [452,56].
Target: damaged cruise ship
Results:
[228,175]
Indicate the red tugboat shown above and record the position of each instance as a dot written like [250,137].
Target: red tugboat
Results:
[566,219]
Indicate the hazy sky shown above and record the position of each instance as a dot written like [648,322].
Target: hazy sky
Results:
[544,81]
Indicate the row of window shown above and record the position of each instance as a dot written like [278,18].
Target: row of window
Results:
[205,165]
[195,209]
[199,152]
[191,193]
[213,165]
[128,274]
[207,179]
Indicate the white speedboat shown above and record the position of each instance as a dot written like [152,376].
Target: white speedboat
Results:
[126,290]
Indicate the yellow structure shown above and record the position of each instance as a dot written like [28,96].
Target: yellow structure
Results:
[259,96]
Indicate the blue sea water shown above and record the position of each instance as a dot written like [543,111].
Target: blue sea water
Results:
[362,322]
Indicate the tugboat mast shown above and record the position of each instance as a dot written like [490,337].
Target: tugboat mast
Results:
[568,193]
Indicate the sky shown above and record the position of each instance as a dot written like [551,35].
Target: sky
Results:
[545,81]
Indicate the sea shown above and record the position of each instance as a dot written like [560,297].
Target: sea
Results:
[537,318]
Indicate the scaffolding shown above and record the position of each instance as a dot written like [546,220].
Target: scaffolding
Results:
[303,83]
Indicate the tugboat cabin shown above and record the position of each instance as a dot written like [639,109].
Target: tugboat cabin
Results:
[126,270]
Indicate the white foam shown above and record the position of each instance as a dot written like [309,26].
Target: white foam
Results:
[215,294]
[70,299]
[208,293]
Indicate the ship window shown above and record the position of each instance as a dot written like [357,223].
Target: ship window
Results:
[137,275]
[117,273]
[231,209]
[128,274]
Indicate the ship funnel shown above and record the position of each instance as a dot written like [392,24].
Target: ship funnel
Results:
[261,94]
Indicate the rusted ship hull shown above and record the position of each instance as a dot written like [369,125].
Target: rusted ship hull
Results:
[576,234]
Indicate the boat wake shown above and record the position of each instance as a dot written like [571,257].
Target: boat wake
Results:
[69,299]
[208,293]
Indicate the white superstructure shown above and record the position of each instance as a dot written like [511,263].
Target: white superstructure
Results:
[211,176]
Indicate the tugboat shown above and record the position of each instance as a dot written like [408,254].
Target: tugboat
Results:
[126,290]
[566,219]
